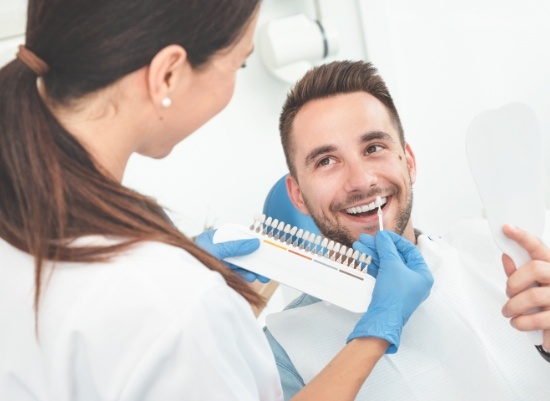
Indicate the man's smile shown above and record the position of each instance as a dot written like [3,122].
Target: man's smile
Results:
[366,209]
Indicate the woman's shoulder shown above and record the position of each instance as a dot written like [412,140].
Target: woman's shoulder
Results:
[145,289]
[153,279]
[150,258]
[167,274]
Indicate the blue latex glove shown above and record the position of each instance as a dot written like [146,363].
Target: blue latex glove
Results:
[231,248]
[366,245]
[403,281]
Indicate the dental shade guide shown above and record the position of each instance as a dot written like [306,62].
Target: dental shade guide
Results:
[312,264]
[378,204]
[504,149]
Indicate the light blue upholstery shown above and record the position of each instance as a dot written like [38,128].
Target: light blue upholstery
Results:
[279,206]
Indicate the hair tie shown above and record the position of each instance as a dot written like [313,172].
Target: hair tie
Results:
[31,60]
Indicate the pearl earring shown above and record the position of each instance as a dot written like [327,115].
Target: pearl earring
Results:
[166,102]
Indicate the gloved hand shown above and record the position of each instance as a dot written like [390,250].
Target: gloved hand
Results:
[366,245]
[403,281]
[224,250]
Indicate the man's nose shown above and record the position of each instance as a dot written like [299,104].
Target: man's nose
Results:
[359,177]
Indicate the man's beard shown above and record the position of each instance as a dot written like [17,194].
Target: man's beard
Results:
[336,232]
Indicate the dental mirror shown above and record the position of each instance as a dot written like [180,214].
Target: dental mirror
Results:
[504,149]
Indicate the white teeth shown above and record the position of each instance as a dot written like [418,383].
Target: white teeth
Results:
[365,208]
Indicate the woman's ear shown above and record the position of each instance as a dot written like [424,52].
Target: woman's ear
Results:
[295,194]
[166,71]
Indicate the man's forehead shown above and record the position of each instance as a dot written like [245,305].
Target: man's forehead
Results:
[351,115]
[339,109]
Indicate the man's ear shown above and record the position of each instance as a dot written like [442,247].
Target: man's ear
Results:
[166,71]
[295,194]
[411,162]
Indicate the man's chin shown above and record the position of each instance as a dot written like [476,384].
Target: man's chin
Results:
[370,229]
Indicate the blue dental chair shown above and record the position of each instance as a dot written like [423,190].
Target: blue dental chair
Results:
[278,205]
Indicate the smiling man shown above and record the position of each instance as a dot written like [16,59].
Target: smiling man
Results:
[350,149]
[344,145]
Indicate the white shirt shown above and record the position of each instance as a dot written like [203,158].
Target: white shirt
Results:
[456,346]
[152,324]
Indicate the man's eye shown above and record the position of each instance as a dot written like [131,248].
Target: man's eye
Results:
[373,148]
[243,65]
[325,162]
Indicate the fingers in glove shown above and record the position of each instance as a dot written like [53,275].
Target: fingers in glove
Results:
[226,249]
[366,245]
[409,253]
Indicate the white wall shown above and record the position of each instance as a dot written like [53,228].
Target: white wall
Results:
[447,62]
[12,27]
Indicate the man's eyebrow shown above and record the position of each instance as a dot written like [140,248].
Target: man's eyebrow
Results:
[315,153]
[373,135]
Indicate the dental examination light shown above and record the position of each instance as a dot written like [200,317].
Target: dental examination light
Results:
[290,46]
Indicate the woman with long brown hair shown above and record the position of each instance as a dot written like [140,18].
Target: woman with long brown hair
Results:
[103,290]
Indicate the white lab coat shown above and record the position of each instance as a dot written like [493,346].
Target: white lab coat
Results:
[153,324]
